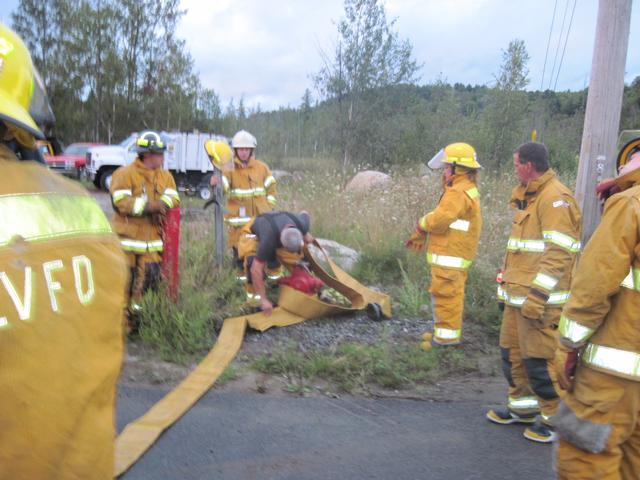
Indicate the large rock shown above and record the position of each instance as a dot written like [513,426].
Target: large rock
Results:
[365,181]
[280,174]
[345,257]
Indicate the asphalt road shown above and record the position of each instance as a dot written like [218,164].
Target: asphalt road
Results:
[252,436]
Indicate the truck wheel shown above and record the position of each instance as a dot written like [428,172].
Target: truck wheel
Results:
[105,179]
[205,192]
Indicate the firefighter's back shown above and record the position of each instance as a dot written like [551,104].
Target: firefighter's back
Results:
[62,284]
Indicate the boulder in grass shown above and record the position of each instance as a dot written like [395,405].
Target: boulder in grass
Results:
[281,174]
[345,257]
[367,180]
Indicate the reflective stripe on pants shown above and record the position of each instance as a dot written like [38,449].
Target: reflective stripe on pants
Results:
[531,351]
[447,303]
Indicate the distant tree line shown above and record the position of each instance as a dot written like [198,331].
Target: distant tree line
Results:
[115,66]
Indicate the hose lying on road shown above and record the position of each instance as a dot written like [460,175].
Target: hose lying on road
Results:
[293,307]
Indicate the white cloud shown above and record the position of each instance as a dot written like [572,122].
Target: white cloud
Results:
[268,50]
[262,50]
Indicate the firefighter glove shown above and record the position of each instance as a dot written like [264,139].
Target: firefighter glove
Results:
[533,306]
[606,188]
[566,361]
[417,242]
[156,206]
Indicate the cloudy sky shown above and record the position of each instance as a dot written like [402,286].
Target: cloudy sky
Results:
[266,51]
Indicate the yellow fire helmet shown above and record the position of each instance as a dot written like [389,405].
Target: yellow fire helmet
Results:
[220,154]
[20,84]
[629,148]
[460,154]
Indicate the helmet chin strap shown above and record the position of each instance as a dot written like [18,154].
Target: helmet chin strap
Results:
[22,152]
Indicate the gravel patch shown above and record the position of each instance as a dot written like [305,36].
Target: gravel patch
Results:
[329,332]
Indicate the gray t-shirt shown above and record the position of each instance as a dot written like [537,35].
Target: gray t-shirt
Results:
[268,226]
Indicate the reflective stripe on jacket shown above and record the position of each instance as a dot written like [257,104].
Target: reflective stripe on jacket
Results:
[250,191]
[132,187]
[544,242]
[604,308]
[454,225]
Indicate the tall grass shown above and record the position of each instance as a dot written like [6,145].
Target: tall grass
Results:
[378,222]
[375,223]
[207,295]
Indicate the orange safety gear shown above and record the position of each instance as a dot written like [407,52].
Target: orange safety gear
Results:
[598,421]
[454,230]
[541,254]
[251,190]
[140,195]
[62,282]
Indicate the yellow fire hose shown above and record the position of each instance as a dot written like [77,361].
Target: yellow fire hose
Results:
[293,307]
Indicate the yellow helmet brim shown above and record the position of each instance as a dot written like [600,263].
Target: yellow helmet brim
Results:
[466,162]
[220,154]
[12,112]
[623,156]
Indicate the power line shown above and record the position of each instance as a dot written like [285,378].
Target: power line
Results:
[546,54]
[566,40]
[555,57]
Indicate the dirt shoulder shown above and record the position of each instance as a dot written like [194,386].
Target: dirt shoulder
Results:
[484,383]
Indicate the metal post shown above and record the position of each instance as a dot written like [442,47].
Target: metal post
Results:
[219,219]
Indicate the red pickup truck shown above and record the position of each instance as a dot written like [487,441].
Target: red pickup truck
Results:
[72,160]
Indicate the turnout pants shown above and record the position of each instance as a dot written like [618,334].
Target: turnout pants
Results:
[599,429]
[233,236]
[247,248]
[528,348]
[145,274]
[447,302]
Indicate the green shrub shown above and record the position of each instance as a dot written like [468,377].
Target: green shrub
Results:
[207,295]
[411,295]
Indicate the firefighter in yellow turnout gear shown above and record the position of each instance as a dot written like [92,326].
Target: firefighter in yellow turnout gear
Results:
[597,422]
[541,253]
[271,241]
[250,187]
[141,193]
[451,233]
[62,282]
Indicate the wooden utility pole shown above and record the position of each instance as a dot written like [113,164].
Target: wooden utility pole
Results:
[604,104]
